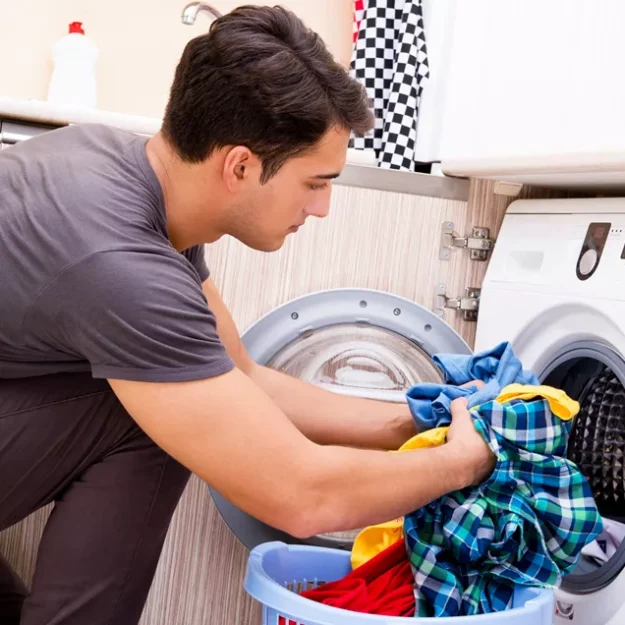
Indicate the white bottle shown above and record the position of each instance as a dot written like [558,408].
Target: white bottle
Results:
[73,81]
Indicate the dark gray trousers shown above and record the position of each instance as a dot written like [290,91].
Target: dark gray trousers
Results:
[67,439]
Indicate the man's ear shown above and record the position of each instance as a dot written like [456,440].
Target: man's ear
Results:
[236,166]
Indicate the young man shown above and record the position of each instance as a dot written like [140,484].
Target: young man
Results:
[120,368]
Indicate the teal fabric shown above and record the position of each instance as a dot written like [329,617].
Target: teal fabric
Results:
[527,524]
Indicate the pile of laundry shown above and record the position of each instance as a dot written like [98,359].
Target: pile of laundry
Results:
[464,553]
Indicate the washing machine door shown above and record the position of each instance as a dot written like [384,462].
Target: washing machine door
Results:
[352,341]
[593,373]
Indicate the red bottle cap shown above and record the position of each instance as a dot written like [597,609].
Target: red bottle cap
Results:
[76,27]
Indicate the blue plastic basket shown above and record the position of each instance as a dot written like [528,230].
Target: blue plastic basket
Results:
[276,572]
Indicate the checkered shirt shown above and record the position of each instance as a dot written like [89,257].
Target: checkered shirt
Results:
[525,525]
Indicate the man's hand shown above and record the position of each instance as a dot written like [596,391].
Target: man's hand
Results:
[469,445]
[477,383]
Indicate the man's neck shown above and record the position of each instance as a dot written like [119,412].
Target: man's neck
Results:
[188,223]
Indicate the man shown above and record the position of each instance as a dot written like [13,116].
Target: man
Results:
[120,368]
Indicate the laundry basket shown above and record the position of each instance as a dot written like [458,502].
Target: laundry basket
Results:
[276,572]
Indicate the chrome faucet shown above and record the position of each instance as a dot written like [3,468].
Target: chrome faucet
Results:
[191,11]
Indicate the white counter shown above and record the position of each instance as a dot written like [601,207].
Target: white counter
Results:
[361,169]
[41,112]
[38,111]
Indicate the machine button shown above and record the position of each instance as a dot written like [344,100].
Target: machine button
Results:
[587,262]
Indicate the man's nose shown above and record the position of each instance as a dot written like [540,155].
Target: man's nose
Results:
[319,208]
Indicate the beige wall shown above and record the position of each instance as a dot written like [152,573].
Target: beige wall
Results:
[140,42]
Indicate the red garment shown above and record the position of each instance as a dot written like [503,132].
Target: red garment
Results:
[384,585]
[359,9]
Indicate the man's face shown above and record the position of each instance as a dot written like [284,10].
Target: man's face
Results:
[266,213]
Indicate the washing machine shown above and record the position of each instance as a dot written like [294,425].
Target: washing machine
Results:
[555,288]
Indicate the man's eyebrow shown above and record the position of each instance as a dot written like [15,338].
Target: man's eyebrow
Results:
[327,176]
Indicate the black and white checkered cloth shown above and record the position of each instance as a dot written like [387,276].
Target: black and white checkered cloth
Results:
[390,59]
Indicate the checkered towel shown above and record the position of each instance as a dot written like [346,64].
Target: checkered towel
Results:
[525,525]
[390,59]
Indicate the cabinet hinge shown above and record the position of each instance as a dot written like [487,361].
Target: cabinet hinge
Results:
[469,304]
[479,244]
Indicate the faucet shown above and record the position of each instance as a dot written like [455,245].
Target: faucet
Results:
[191,11]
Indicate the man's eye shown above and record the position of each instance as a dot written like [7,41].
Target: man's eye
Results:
[318,187]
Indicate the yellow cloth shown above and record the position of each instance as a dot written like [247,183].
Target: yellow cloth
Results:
[560,403]
[429,438]
[372,540]
[376,538]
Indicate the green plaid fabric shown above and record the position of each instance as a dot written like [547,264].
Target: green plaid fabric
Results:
[525,525]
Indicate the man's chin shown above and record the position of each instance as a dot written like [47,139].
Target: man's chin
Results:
[277,245]
[265,246]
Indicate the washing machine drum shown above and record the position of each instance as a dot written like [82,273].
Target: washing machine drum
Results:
[597,441]
[597,446]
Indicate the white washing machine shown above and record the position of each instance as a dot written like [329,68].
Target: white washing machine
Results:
[555,288]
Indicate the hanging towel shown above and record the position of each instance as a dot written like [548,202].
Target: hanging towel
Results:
[430,404]
[526,524]
[390,59]
[382,586]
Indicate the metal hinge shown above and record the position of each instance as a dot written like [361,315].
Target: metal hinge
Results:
[469,304]
[478,244]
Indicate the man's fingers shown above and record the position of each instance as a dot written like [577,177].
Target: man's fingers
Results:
[459,406]
[477,383]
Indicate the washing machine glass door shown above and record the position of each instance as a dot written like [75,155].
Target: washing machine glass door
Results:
[357,359]
[353,342]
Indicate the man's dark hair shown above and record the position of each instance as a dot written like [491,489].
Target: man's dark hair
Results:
[262,79]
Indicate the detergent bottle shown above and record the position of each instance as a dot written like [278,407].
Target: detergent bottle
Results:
[73,81]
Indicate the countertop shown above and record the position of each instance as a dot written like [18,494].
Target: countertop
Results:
[39,111]
[360,171]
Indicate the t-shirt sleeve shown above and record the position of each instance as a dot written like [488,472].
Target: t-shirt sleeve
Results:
[134,315]
[195,255]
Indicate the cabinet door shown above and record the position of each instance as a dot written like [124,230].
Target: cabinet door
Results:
[529,78]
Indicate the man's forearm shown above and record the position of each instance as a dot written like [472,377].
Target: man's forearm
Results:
[350,489]
[328,418]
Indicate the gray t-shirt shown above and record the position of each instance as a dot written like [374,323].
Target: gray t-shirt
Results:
[88,278]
